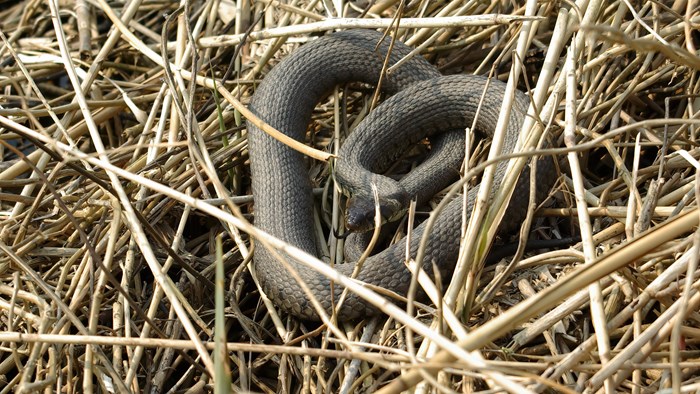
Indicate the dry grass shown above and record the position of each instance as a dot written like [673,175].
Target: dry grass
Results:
[109,274]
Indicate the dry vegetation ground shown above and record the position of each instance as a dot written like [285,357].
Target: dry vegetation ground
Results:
[108,248]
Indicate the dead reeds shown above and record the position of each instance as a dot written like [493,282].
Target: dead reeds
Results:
[124,170]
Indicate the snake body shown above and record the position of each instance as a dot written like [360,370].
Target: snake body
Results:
[426,103]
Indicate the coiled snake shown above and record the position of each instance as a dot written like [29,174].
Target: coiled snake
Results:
[424,103]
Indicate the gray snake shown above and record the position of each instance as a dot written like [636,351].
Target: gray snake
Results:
[423,103]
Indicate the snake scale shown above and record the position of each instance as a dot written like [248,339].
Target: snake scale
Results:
[422,103]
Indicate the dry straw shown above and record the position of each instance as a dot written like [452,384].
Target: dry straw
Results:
[124,159]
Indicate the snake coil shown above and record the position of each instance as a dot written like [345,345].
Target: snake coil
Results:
[423,102]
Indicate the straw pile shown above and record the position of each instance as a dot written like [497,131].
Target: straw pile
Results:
[115,201]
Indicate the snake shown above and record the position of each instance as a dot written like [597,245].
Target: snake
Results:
[421,103]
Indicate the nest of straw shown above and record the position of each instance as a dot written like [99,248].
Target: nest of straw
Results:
[124,193]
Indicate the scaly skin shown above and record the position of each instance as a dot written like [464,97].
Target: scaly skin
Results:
[426,103]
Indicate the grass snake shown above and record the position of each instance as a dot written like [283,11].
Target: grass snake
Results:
[422,103]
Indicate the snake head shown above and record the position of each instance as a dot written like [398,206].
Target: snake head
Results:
[360,211]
